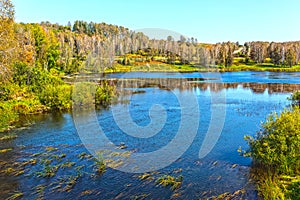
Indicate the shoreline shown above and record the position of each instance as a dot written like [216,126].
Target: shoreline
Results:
[190,69]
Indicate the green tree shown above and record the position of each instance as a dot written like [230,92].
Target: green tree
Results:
[46,47]
[40,44]
[290,57]
[52,52]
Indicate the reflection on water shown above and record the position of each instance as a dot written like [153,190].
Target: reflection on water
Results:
[254,87]
[190,83]
[226,77]
[52,141]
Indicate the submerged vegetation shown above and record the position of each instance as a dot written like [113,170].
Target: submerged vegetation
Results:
[275,152]
[168,180]
[100,164]
[16,195]
[51,163]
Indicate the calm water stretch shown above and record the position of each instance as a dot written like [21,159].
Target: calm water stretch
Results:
[51,160]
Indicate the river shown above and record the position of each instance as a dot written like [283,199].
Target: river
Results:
[196,124]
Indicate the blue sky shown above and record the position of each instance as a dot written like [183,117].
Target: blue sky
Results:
[207,20]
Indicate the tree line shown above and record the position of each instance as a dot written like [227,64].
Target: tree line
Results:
[94,47]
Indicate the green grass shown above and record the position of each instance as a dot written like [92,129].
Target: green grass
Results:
[16,101]
[276,186]
[158,64]
[260,67]
[157,67]
[11,110]
[237,66]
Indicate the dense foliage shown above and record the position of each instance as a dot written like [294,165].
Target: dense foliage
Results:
[33,58]
[87,94]
[296,98]
[276,155]
[96,47]
[278,144]
[7,38]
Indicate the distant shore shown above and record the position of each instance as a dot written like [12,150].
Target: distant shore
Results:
[190,68]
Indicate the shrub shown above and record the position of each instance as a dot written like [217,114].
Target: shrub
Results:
[28,106]
[7,115]
[104,94]
[57,97]
[87,94]
[16,100]
[9,91]
[295,98]
[277,145]
[294,190]
[84,94]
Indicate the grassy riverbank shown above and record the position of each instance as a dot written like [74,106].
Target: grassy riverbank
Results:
[47,93]
[164,67]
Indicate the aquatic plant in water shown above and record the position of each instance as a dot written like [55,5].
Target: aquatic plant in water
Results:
[100,163]
[168,180]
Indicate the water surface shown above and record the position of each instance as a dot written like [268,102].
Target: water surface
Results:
[51,145]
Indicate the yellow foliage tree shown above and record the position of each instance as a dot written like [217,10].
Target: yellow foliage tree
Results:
[8,44]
